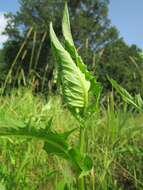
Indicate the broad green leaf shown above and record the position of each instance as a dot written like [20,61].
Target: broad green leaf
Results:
[74,84]
[54,143]
[69,46]
[11,126]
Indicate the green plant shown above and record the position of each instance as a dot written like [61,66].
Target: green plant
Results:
[77,83]
[113,141]
[79,87]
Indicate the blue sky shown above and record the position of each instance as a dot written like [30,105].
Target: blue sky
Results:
[126,15]
[8,5]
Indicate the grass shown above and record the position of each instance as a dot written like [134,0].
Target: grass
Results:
[114,142]
[112,137]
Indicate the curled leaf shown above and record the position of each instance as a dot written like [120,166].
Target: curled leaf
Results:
[74,84]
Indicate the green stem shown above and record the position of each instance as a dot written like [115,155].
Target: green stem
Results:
[82,151]
[82,140]
[81,184]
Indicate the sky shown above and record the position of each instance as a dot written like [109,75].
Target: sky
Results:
[6,6]
[126,15]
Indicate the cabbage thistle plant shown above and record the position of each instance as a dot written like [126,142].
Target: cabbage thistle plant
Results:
[79,87]
[81,93]
[78,84]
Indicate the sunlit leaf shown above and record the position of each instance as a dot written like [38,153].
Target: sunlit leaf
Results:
[95,87]
[74,84]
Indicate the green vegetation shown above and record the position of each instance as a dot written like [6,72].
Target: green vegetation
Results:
[74,138]
[100,46]
[113,141]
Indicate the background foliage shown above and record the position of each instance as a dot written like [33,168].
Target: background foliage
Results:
[98,42]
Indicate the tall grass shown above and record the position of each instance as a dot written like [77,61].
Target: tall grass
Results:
[111,137]
[114,142]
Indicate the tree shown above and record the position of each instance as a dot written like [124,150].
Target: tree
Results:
[1,56]
[124,64]
[2,70]
[90,24]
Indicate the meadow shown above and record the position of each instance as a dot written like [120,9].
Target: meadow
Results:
[114,142]
[72,139]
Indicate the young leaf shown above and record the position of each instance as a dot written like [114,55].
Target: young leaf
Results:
[75,86]
[66,26]
[69,46]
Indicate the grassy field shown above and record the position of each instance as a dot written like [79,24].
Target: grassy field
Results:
[76,141]
[114,141]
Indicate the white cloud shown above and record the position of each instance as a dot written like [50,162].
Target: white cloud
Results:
[3,23]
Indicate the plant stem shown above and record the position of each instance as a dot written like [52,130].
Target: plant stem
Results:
[82,140]
[82,151]
[81,184]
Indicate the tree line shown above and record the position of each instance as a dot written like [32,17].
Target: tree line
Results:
[27,57]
